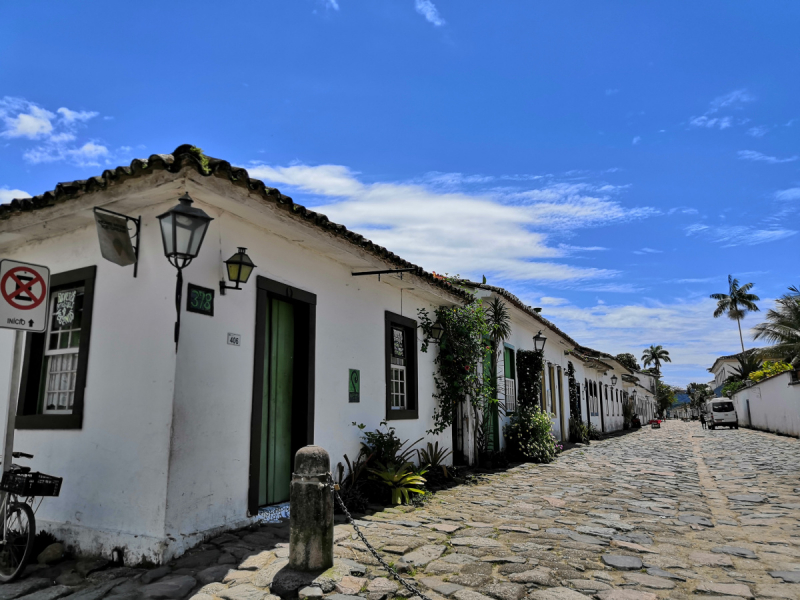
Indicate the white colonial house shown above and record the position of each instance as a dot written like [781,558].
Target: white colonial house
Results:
[160,447]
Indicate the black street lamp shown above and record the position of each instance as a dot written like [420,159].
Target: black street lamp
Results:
[182,231]
[614,380]
[539,342]
[239,267]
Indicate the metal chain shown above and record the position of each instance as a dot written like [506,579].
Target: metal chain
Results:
[404,582]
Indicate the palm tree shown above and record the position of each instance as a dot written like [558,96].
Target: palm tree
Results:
[749,362]
[736,303]
[782,328]
[655,355]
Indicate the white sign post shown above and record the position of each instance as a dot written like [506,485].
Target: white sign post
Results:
[23,295]
[24,289]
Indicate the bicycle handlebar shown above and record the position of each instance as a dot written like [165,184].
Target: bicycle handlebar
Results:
[21,455]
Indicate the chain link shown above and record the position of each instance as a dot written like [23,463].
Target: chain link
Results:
[404,582]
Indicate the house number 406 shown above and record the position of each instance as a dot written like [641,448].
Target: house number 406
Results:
[234,339]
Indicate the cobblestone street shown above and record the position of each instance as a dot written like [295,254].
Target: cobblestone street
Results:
[663,513]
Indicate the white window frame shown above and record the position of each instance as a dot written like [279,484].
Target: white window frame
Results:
[49,354]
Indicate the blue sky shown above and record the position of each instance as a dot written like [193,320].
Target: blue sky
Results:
[611,162]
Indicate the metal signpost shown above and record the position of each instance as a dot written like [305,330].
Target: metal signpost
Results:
[24,289]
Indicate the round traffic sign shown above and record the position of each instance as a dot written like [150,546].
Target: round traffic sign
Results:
[22,294]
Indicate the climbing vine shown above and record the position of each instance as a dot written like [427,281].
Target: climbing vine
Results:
[529,376]
[462,348]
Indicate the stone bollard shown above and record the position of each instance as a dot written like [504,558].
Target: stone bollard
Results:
[311,511]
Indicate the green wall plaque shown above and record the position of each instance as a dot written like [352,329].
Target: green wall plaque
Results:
[354,385]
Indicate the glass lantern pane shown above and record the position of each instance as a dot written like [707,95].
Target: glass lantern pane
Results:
[246,270]
[198,231]
[183,233]
[166,234]
[233,271]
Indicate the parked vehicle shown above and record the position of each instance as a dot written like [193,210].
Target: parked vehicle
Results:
[721,412]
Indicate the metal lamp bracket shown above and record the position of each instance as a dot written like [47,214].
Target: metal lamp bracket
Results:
[385,272]
[137,221]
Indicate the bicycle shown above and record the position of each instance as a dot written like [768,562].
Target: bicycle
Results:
[18,488]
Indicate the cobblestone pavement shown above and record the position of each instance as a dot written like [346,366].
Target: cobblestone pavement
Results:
[664,513]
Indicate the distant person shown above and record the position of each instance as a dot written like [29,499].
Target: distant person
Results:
[703,420]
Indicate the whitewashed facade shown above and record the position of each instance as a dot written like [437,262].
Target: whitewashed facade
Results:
[772,404]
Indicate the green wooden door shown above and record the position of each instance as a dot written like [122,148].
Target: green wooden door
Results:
[276,420]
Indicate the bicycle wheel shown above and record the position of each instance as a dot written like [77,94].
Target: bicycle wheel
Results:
[18,547]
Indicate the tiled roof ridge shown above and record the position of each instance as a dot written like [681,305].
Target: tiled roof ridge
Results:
[187,155]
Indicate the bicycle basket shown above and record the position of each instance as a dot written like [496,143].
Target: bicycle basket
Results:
[31,484]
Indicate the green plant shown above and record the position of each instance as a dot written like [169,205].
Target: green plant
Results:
[433,457]
[529,377]
[458,379]
[628,360]
[386,447]
[782,328]
[769,369]
[594,433]
[736,303]
[665,397]
[529,435]
[749,362]
[578,431]
[733,386]
[627,415]
[574,393]
[202,158]
[402,480]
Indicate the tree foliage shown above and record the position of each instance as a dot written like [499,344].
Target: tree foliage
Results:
[782,328]
[736,303]
[770,369]
[665,397]
[655,355]
[698,394]
[529,377]
[629,360]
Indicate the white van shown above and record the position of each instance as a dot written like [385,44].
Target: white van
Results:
[720,412]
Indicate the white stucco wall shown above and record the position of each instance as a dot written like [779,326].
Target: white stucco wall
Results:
[774,405]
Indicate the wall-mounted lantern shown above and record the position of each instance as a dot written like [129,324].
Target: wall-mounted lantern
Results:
[614,380]
[239,267]
[183,229]
[539,341]
[437,331]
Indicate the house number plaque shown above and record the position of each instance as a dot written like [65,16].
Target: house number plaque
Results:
[200,300]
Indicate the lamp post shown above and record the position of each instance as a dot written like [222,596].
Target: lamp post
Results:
[239,267]
[183,229]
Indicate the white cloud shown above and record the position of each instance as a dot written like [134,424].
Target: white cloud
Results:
[683,210]
[711,122]
[733,99]
[648,251]
[70,116]
[739,235]
[759,157]
[788,195]
[759,131]
[427,9]
[686,328]
[506,234]
[636,140]
[56,133]
[7,195]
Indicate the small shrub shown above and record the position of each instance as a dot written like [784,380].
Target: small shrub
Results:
[594,434]
[578,431]
[402,480]
[385,447]
[433,457]
[770,368]
[529,435]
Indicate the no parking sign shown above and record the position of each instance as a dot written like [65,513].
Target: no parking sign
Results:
[23,295]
